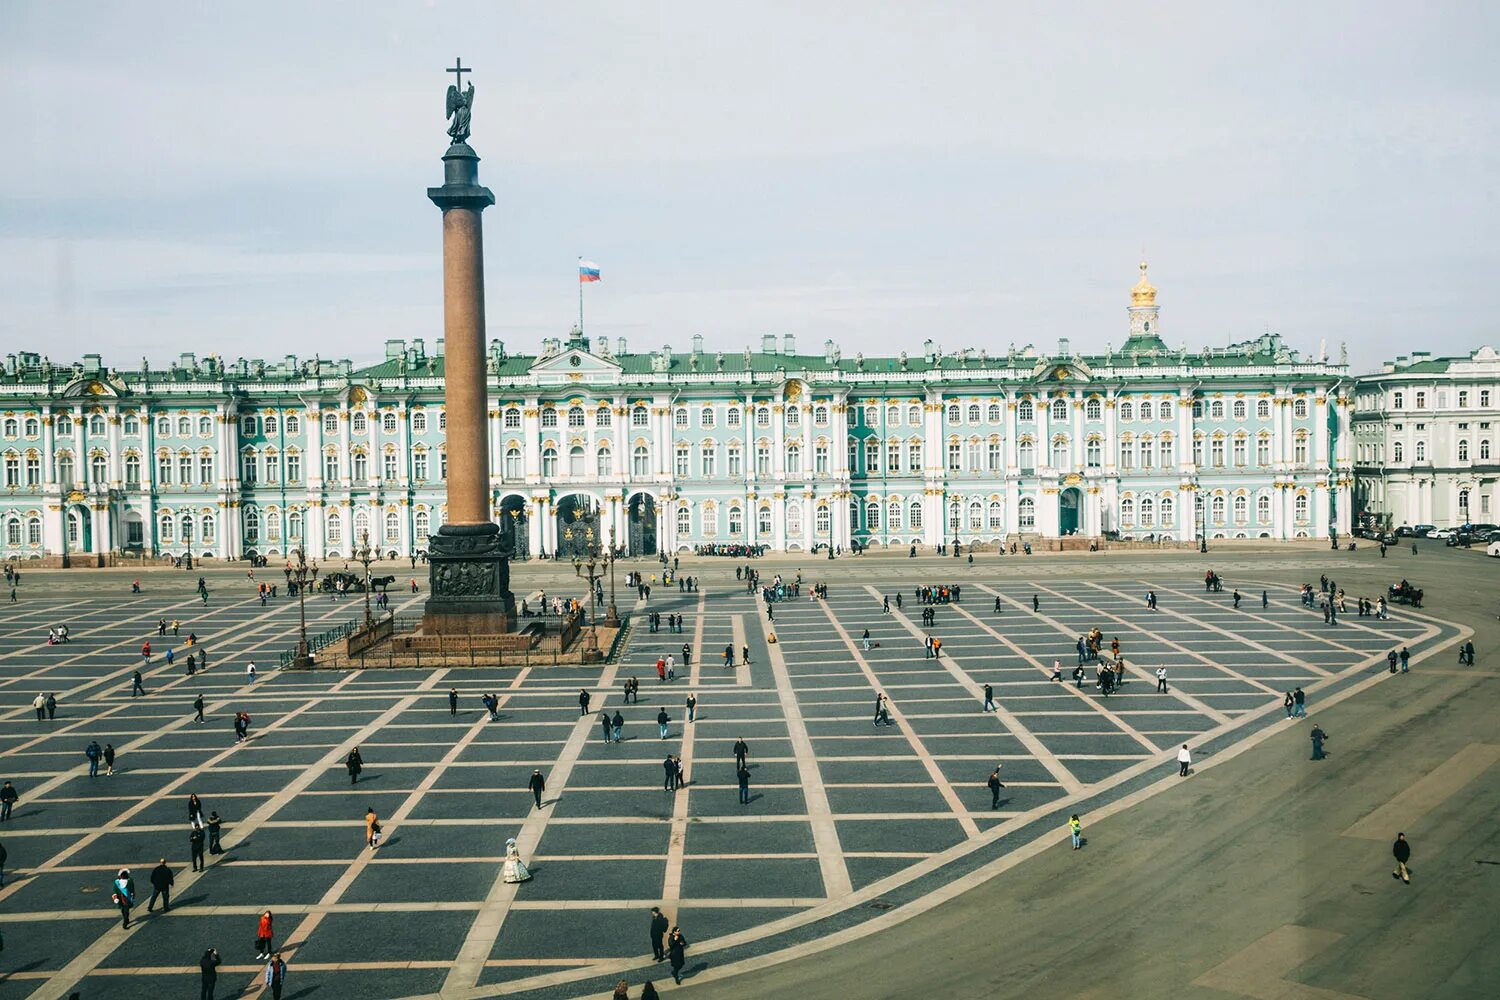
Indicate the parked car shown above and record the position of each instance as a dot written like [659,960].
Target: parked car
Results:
[1494,549]
[1405,531]
[1459,538]
[1422,530]
[1440,533]
[1493,536]
[1388,539]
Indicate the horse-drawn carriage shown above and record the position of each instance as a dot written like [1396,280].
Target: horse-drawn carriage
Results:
[353,582]
[1404,593]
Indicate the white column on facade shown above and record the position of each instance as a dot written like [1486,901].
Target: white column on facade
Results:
[778,443]
[1077,437]
[778,520]
[1043,448]
[1184,442]
[1009,444]
[1111,437]
[531,439]
[115,461]
[313,460]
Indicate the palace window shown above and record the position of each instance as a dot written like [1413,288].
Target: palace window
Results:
[872,457]
[330,423]
[1061,458]
[576,461]
[1299,450]
[1240,411]
[1026,514]
[892,416]
[132,470]
[549,463]
[893,515]
[1421,451]
[872,516]
[955,456]
[1127,511]
[680,417]
[993,457]
[419,466]
[640,461]
[549,419]
[1093,453]
[954,413]
[1127,412]
[820,459]
[1164,411]
[1241,509]
[512,419]
[247,426]
[763,522]
[390,470]
[1463,450]
[893,456]
[1059,409]
[763,458]
[1241,448]
[1024,411]
[1146,412]
[575,417]
[331,466]
[736,459]
[1167,508]
[1216,449]
[249,469]
[914,416]
[358,424]
[684,521]
[1299,408]
[604,463]
[1127,455]
[820,415]
[732,416]
[737,520]
[708,455]
[680,462]
[388,421]
[65,425]
[914,515]
[1300,507]
[793,415]
[421,525]
[976,515]
[640,417]
[1216,410]
[293,466]
[1025,455]
[98,470]
[1263,451]
[973,414]
[604,417]
[1148,453]
[512,464]
[794,459]
[1217,508]
[762,417]
[361,468]
[132,425]
[1148,512]
[992,413]
[1092,410]
[914,455]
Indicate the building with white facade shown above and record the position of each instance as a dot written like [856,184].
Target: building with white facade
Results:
[1426,434]
[669,450]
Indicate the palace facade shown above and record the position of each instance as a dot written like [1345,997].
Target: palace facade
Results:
[1427,441]
[667,450]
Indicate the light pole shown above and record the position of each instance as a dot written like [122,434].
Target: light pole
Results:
[301,657]
[589,564]
[363,557]
[1202,504]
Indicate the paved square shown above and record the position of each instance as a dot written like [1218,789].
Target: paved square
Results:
[842,813]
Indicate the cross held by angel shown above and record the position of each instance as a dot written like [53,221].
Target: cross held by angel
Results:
[460,104]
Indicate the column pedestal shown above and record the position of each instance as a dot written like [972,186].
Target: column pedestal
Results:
[469,573]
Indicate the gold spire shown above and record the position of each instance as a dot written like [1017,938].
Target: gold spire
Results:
[1143,294]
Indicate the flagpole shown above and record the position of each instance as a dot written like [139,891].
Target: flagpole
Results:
[580,296]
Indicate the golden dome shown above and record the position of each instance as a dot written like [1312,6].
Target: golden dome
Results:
[1143,294]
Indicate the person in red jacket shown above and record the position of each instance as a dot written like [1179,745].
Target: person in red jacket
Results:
[263,936]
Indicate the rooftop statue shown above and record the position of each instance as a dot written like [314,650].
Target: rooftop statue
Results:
[460,104]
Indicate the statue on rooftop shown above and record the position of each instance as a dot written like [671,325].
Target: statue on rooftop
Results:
[460,104]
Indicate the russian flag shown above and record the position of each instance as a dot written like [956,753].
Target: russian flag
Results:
[587,271]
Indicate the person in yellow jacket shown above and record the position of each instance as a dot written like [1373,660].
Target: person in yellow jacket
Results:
[1075,827]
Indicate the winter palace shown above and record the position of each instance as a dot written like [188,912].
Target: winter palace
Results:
[666,450]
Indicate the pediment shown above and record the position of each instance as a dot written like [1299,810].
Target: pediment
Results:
[1052,370]
[575,365]
[97,385]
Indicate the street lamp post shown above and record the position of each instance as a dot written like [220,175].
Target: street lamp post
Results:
[300,659]
[611,614]
[364,558]
[589,564]
[1202,505]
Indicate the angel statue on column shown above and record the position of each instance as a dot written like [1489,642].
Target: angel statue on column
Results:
[460,104]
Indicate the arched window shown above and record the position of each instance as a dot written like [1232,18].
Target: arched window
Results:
[392,527]
[419,420]
[820,417]
[604,416]
[1484,450]
[996,516]
[976,515]
[1146,411]
[793,416]
[1127,511]
[1239,409]
[421,524]
[640,461]
[185,523]
[973,413]
[1167,509]
[294,526]
[1241,509]
[1127,411]
[1092,410]
[1300,506]
[293,424]
[955,515]
[132,470]
[1026,514]
[575,460]
[604,463]
[1023,411]
[680,417]
[1299,408]
[684,521]
[1164,411]
[252,525]
[132,425]
[65,425]
[13,531]
[1463,504]
[992,413]
[1421,451]
[361,526]
[442,420]
[358,424]
[1059,409]
[763,521]
[1263,409]
[1398,451]
[34,531]
[331,423]
[1463,450]
[794,519]
[640,417]
[872,516]
[513,463]
[893,515]
[736,520]
[335,528]
[388,421]
[361,465]
[512,418]
[914,416]
[1216,508]
[1216,410]
[1060,453]
[98,470]
[822,520]
[549,462]
[794,459]
[575,417]
[954,413]
[166,529]
[1025,455]
[914,515]
[33,427]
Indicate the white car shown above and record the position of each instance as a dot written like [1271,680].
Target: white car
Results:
[1440,534]
[1493,550]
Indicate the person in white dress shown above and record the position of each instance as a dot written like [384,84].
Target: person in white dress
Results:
[515,869]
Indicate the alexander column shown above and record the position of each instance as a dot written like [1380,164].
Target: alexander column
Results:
[470,569]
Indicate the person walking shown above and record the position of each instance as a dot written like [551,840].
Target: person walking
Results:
[741,751]
[52,698]
[583,703]
[1161,679]
[995,784]
[40,704]
[604,724]
[276,976]
[659,927]
[677,953]
[692,707]
[1289,703]
[93,753]
[617,725]
[136,687]
[661,721]
[989,698]
[250,672]
[1401,850]
[124,895]
[161,885]
[1405,660]
[263,936]
[538,785]
[3,855]
[669,770]
[8,798]
[195,848]
[1318,736]
[1390,660]
[198,707]
[215,825]
[661,670]
[453,701]
[1265,599]
[109,760]
[354,764]
[742,775]
[1184,761]
[208,971]
[1075,829]
[372,830]
[195,810]
[1299,704]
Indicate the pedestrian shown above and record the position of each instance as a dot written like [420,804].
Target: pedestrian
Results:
[3,855]
[1057,671]
[1390,659]
[40,704]
[658,933]
[250,672]
[676,953]
[354,763]
[989,698]
[109,760]
[1236,599]
[1184,761]
[1036,603]
[995,784]
[453,701]
[276,976]
[208,967]
[195,848]
[661,721]
[742,775]
[1299,704]
[538,785]
[604,724]
[648,991]
[741,751]
[692,707]
[52,698]
[372,830]
[198,707]
[136,687]
[161,885]
[661,670]
[215,825]
[583,703]
[1075,828]
[1402,852]
[1265,599]
[617,724]
[622,991]
[195,810]
[124,895]
[669,770]
[1405,660]
[671,667]
[1318,736]
[93,753]
[1468,654]
[1289,703]
[263,936]
[8,797]
[1161,679]
[745,655]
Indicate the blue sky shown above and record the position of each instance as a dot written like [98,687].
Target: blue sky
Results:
[250,181]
